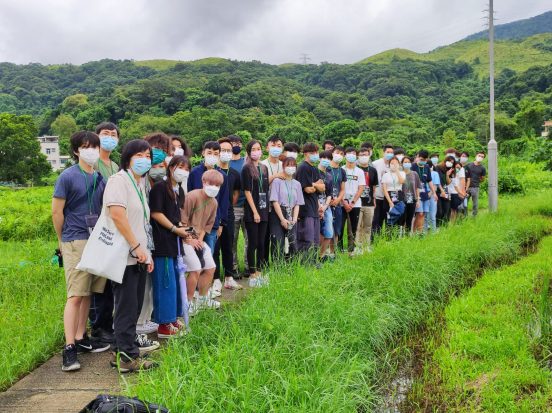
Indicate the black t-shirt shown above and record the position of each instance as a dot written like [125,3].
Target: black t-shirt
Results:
[327,178]
[307,175]
[371,175]
[166,243]
[234,184]
[257,185]
[475,172]
[339,176]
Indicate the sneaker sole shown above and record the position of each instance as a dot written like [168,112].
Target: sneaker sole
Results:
[101,349]
[148,349]
[72,367]
[168,335]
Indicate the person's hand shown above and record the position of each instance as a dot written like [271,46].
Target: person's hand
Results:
[141,254]
[391,205]
[256,217]
[450,171]
[417,204]
[280,175]
[310,189]
[348,207]
[59,248]
[443,195]
[284,223]
[333,202]
[150,265]
[219,231]
[181,233]
[435,198]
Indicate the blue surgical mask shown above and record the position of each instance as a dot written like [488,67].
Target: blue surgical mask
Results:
[275,151]
[351,157]
[159,156]
[407,165]
[314,158]
[422,163]
[434,161]
[325,163]
[141,166]
[388,156]
[108,143]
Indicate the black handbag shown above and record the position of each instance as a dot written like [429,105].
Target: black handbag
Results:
[105,403]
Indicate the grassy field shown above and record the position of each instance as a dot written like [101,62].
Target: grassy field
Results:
[495,340]
[511,54]
[318,340]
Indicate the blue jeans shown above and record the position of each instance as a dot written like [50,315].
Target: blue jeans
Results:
[326,225]
[337,212]
[431,216]
[167,303]
[211,239]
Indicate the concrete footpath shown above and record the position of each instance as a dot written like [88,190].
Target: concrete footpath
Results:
[47,389]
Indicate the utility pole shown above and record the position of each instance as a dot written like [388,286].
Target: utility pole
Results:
[492,146]
[305,58]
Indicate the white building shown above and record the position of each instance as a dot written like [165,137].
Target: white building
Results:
[49,146]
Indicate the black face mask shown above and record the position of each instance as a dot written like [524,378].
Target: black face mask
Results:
[236,150]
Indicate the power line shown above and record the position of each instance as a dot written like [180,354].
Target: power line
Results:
[304,58]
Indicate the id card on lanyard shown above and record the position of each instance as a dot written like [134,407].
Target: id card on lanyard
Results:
[147,225]
[91,218]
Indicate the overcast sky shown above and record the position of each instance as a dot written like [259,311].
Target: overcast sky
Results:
[273,31]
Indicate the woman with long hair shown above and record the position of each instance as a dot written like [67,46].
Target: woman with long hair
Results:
[254,177]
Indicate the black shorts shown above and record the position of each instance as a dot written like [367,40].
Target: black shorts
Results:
[455,201]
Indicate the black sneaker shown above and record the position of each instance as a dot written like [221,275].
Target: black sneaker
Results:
[88,346]
[102,336]
[145,345]
[70,362]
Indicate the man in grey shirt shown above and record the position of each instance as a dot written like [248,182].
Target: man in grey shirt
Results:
[475,175]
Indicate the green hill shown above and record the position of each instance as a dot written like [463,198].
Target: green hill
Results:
[518,55]
[164,64]
[519,29]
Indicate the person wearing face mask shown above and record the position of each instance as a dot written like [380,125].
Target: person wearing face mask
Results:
[338,193]
[165,200]
[286,197]
[382,206]
[198,217]
[392,183]
[308,225]
[109,139]
[427,190]
[364,230]
[456,192]
[274,147]
[411,192]
[237,163]
[180,148]
[464,158]
[475,175]
[399,153]
[254,178]
[446,173]
[101,305]
[291,150]
[76,205]
[160,144]
[431,220]
[354,187]
[125,201]
[223,245]
[211,155]
[324,208]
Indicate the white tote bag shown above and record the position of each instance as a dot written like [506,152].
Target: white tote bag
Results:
[106,251]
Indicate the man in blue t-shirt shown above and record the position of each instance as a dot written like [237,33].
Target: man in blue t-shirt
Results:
[76,205]
[237,163]
[426,191]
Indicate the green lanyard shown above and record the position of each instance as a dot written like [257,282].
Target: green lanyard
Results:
[393,180]
[89,196]
[260,179]
[270,166]
[140,195]
[289,195]
[101,165]
[199,208]
[336,178]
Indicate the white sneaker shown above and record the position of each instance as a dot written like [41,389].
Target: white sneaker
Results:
[207,303]
[147,328]
[264,280]
[216,289]
[231,284]
[213,304]
[255,282]
[192,308]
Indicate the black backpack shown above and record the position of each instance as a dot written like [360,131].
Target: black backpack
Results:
[104,403]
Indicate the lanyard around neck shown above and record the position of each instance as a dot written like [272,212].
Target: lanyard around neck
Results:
[140,195]
[89,197]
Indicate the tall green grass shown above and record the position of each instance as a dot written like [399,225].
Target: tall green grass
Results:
[316,340]
[32,295]
[486,360]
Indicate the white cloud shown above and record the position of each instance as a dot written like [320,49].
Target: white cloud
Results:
[273,31]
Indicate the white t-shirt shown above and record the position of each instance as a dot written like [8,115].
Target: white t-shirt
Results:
[393,184]
[273,168]
[381,168]
[355,178]
[454,183]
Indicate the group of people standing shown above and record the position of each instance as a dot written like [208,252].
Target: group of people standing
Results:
[182,222]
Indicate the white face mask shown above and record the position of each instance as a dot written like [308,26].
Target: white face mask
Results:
[225,157]
[89,155]
[178,152]
[180,175]
[363,160]
[211,160]
[463,159]
[290,170]
[337,158]
[448,164]
[479,158]
[211,190]
[292,155]
[400,157]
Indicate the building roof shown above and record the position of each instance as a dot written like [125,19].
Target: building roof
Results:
[548,123]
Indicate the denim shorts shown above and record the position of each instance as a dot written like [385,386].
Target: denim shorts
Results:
[326,225]
[424,206]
